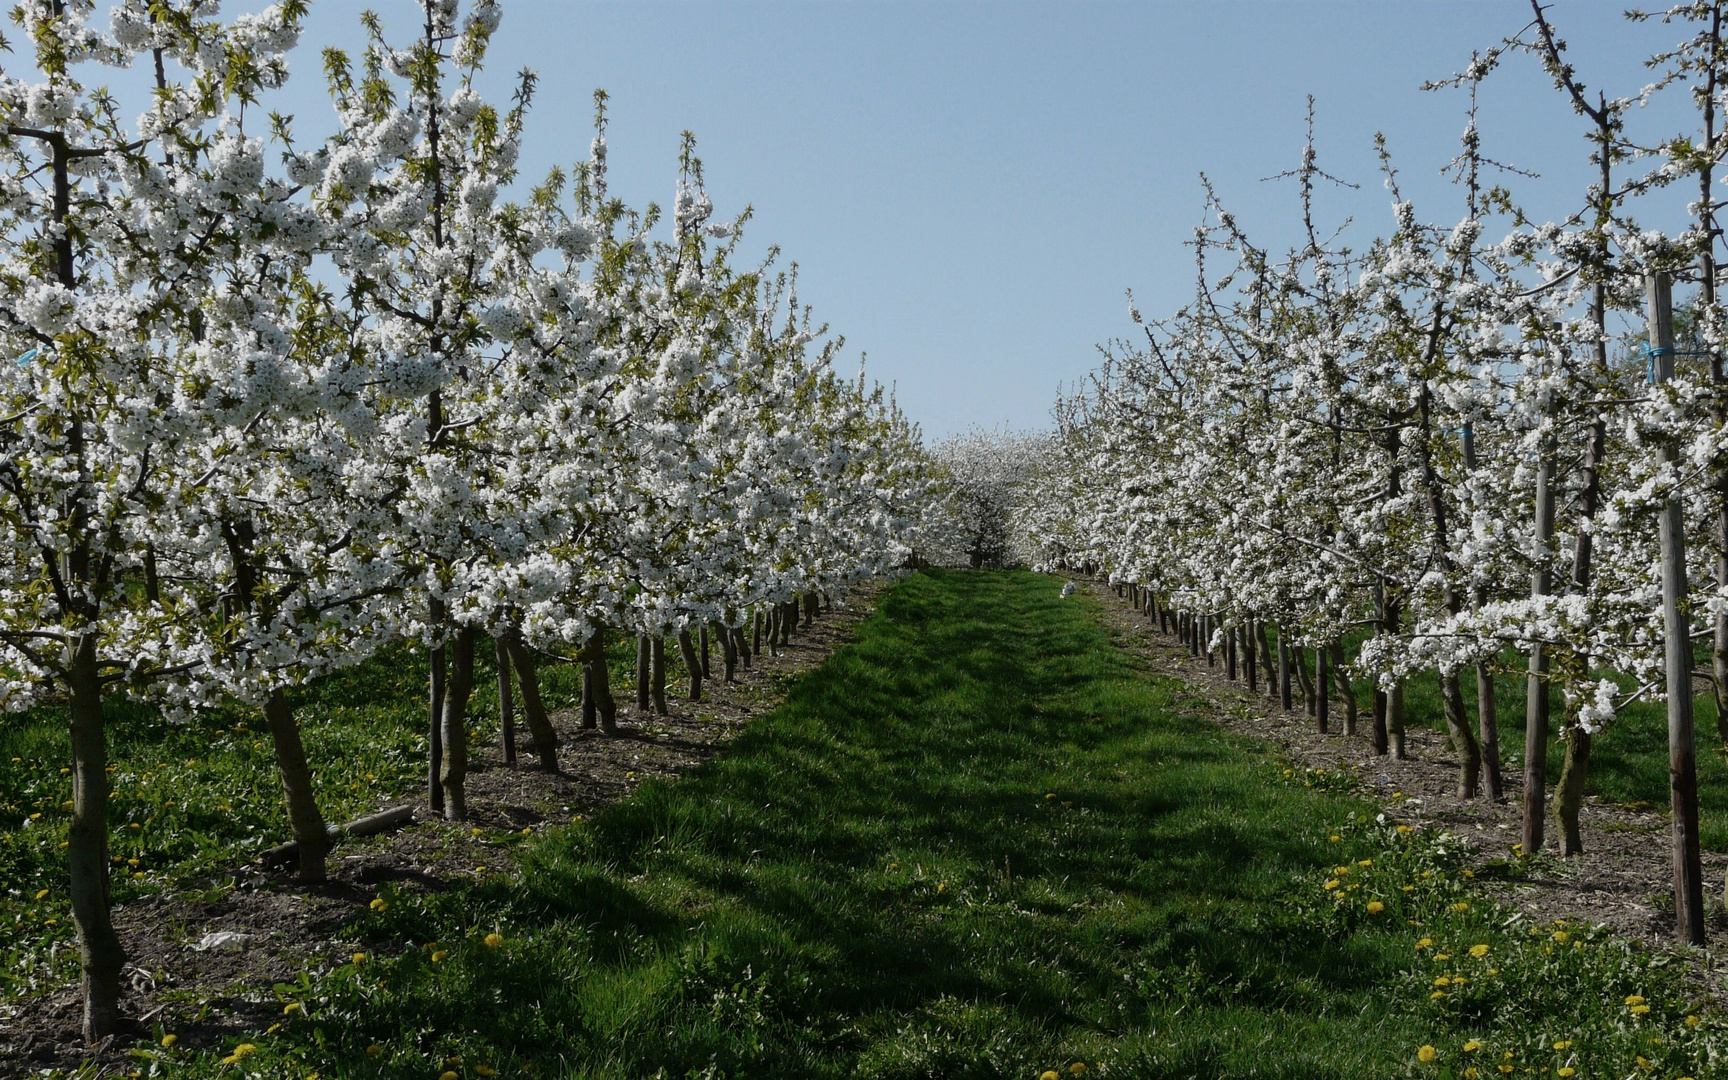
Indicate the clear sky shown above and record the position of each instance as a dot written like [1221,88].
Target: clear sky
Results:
[970,187]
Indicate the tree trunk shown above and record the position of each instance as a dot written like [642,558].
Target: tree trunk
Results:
[756,629]
[435,734]
[657,655]
[1536,706]
[707,670]
[1346,692]
[1230,653]
[600,680]
[1322,690]
[643,672]
[590,714]
[741,643]
[1569,793]
[1395,720]
[506,706]
[453,776]
[1458,725]
[692,663]
[1299,661]
[1265,645]
[99,950]
[1253,670]
[1284,697]
[728,652]
[307,823]
[1487,724]
[534,707]
[1382,745]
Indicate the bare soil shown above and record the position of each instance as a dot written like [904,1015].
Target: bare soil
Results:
[1624,879]
[206,995]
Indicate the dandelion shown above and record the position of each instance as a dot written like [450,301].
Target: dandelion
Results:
[1077,1069]
[170,1039]
[1366,862]
[291,1009]
[41,893]
[1563,1044]
[1424,943]
[447,1074]
[1644,1063]
[359,958]
[493,940]
[1565,1070]
[1693,1021]
[1332,884]
[1049,1074]
[1640,1010]
[1436,995]
[1427,1055]
[1472,1046]
[1443,981]
[1375,907]
[476,832]
[1634,999]
[1440,957]
[1562,936]
[374,1050]
[438,957]
[380,904]
[1478,951]
[1405,830]
[1334,838]
[527,830]
[1461,907]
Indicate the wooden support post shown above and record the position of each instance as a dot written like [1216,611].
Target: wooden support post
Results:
[1677,640]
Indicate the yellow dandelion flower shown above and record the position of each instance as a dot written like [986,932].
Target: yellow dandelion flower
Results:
[1365,862]
[1440,956]
[374,1050]
[291,1009]
[1644,1063]
[1640,1010]
[1436,995]
[1470,1073]
[1504,1067]
[1334,838]
[447,1074]
[359,958]
[438,957]
[245,1050]
[1693,1021]
[41,894]
[1077,1069]
[1442,981]
[1049,1074]
[1332,884]
[1427,1055]
[1565,1070]
[380,904]
[170,1039]
[1405,830]
[1472,1046]
[1460,907]
[494,940]
[1424,943]
[1478,951]
[1562,936]
[1634,999]
[1375,907]
[1563,1044]
[1407,888]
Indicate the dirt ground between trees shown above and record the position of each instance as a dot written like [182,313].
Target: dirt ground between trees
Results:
[1624,879]
[206,995]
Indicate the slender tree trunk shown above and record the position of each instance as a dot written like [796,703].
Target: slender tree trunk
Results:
[303,816]
[657,655]
[1299,661]
[692,663]
[1346,692]
[1265,645]
[99,950]
[728,651]
[1253,669]
[534,707]
[1677,657]
[506,704]
[643,663]
[1458,724]
[741,642]
[1382,745]
[1230,653]
[435,734]
[756,624]
[1569,793]
[1536,685]
[590,714]
[600,680]
[707,670]
[453,776]
[1395,720]
[1284,695]
[1322,690]
[1487,724]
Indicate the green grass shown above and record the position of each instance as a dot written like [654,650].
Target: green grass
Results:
[876,881]
[980,842]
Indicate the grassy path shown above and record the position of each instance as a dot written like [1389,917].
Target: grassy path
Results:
[979,842]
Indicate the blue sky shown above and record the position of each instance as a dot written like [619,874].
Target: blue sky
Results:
[969,187]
